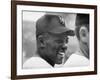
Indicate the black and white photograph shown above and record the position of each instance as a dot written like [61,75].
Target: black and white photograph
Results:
[53,40]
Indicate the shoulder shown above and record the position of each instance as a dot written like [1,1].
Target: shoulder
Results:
[36,62]
[76,60]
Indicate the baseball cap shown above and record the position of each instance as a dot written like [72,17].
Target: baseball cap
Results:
[52,24]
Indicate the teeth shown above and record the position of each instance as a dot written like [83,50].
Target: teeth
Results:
[62,54]
[61,57]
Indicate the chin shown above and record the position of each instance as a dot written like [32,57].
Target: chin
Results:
[59,62]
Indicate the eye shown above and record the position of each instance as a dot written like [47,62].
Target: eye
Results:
[66,39]
[83,33]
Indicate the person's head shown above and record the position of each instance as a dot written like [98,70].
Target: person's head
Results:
[51,35]
[82,32]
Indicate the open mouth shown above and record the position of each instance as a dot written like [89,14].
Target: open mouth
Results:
[61,53]
[61,50]
[60,58]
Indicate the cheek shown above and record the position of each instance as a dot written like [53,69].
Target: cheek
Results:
[88,40]
[84,39]
[51,49]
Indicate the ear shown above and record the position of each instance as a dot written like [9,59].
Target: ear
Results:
[84,34]
[41,41]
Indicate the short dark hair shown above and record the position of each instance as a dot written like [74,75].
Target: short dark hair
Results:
[81,20]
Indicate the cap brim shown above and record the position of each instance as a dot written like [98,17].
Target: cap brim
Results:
[60,30]
[70,33]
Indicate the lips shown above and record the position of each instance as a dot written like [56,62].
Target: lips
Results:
[61,50]
[60,54]
[60,58]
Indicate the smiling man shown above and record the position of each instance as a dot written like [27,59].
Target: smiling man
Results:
[51,35]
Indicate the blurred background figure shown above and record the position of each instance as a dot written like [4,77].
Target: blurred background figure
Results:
[80,57]
[82,33]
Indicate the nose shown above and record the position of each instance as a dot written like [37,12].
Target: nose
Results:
[64,47]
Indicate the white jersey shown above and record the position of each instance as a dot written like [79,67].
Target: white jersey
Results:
[36,62]
[76,60]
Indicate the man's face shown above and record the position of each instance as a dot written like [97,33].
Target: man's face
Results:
[55,45]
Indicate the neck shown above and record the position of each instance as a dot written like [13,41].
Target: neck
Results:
[46,58]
